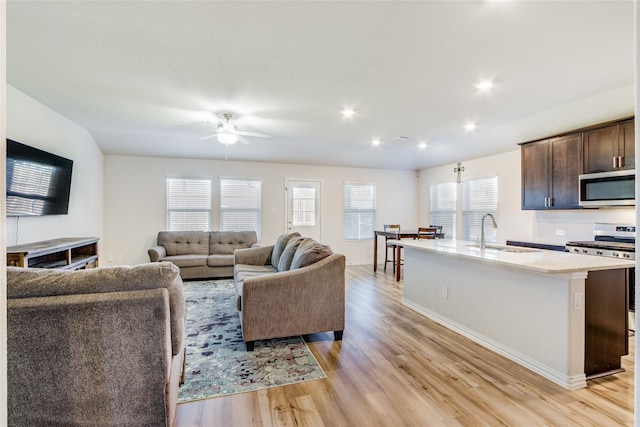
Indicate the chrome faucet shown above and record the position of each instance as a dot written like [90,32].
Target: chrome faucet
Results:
[493,222]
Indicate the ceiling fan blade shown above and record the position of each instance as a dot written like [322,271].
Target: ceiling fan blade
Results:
[210,136]
[256,134]
[212,126]
[243,140]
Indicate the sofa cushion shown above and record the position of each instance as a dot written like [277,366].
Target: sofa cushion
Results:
[184,261]
[33,282]
[261,269]
[225,242]
[289,251]
[308,253]
[184,242]
[278,247]
[243,272]
[220,260]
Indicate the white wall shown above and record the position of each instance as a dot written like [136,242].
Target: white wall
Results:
[135,201]
[32,123]
[3,251]
[514,223]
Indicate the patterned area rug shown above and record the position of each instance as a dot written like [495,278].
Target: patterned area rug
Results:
[217,359]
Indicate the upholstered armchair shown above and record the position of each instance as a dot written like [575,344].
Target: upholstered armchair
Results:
[96,347]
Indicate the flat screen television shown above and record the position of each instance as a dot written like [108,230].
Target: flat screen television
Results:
[38,182]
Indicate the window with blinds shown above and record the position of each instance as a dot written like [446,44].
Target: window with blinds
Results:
[359,211]
[480,197]
[443,201]
[240,205]
[188,204]
[304,207]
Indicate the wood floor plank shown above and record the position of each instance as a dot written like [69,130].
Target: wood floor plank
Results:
[395,367]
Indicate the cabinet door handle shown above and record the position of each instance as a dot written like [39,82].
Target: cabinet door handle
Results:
[619,161]
[614,162]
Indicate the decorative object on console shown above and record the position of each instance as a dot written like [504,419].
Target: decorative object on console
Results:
[217,360]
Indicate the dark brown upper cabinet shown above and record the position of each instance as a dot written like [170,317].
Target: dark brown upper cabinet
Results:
[610,148]
[550,169]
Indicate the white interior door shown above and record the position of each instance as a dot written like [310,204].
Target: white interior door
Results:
[303,208]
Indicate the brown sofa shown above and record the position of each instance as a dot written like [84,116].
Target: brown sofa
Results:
[294,287]
[96,347]
[201,254]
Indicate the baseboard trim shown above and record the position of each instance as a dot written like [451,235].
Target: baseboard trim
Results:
[569,382]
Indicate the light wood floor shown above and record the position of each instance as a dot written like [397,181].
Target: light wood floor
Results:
[396,368]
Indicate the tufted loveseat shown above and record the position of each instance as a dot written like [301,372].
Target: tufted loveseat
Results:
[202,254]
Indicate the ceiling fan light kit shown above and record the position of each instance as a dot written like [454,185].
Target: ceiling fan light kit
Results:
[227,133]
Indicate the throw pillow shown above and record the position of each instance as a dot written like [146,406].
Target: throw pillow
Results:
[289,251]
[279,246]
[308,253]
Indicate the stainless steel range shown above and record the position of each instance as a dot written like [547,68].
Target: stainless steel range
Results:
[617,241]
[611,240]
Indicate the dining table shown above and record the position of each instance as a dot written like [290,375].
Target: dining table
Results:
[395,236]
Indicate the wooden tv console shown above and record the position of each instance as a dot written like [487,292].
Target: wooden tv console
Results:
[71,253]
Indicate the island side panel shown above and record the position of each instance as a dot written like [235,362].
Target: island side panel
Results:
[529,317]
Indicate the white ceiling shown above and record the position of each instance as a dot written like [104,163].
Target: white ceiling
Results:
[134,72]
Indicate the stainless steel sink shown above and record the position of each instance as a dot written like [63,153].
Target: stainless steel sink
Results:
[514,249]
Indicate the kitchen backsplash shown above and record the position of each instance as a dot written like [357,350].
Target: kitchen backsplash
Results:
[562,226]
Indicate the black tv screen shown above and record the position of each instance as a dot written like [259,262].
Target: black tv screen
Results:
[38,182]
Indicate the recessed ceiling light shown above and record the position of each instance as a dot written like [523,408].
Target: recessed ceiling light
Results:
[348,112]
[484,86]
[422,146]
[375,142]
[470,126]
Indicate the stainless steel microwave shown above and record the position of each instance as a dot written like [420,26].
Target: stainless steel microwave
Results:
[608,189]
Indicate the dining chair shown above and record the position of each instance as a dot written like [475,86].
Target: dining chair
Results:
[390,228]
[427,232]
[438,228]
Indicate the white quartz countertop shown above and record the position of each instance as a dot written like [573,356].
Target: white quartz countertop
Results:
[543,261]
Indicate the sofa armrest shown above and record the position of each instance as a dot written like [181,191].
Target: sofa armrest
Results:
[253,256]
[116,354]
[157,253]
[295,302]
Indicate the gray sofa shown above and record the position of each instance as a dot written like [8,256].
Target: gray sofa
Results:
[294,287]
[96,347]
[201,254]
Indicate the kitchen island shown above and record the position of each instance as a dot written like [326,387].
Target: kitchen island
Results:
[526,304]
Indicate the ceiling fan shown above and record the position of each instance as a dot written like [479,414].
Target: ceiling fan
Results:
[228,133]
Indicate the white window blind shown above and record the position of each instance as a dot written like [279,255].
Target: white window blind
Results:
[188,204]
[443,200]
[480,197]
[240,205]
[359,211]
[304,207]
